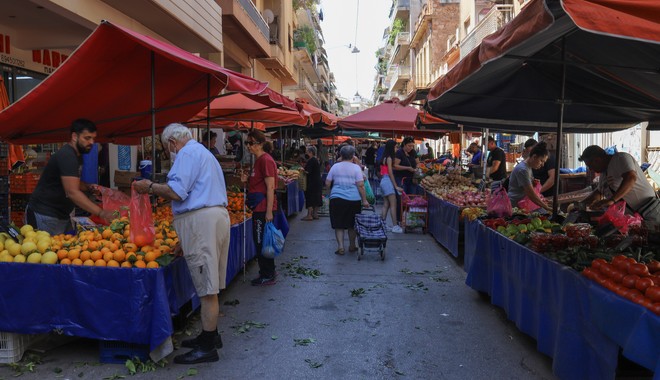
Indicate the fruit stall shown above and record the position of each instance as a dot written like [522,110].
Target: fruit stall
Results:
[531,268]
[106,286]
[449,193]
[287,190]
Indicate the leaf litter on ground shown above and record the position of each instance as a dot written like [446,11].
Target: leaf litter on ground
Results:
[418,286]
[359,292]
[303,341]
[295,270]
[313,364]
[247,326]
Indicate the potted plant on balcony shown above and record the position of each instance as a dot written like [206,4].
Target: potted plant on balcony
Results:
[304,37]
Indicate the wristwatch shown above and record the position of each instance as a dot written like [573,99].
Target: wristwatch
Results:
[151,188]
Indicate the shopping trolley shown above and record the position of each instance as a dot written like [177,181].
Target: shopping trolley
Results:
[371,234]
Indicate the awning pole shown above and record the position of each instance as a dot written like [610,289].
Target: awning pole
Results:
[484,159]
[560,127]
[208,110]
[153,115]
[281,145]
[460,148]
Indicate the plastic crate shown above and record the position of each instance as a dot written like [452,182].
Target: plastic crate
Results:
[4,150]
[116,352]
[12,346]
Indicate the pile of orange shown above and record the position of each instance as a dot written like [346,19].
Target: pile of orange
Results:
[235,206]
[110,246]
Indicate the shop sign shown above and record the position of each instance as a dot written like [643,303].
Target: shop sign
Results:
[42,61]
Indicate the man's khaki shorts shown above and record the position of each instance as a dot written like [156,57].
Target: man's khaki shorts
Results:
[204,238]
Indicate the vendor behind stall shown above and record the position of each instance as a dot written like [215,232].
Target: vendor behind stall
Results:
[496,161]
[546,173]
[59,189]
[521,180]
[620,178]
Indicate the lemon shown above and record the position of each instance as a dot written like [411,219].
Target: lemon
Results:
[42,234]
[6,258]
[14,249]
[34,258]
[26,228]
[30,234]
[28,247]
[19,259]
[43,245]
[2,245]
[49,257]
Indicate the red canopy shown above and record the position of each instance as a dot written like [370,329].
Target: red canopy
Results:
[318,115]
[599,57]
[108,80]
[385,117]
[241,107]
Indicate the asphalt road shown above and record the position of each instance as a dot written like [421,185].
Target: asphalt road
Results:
[410,316]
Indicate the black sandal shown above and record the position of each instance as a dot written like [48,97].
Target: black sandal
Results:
[340,251]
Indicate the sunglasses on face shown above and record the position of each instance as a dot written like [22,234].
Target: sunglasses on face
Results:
[250,143]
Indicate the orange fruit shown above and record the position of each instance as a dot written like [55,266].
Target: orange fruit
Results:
[152,264]
[96,255]
[126,264]
[131,257]
[113,263]
[119,255]
[93,245]
[76,262]
[107,256]
[86,255]
[100,263]
[150,256]
[139,264]
[130,247]
[73,254]
[62,254]
[147,248]
[107,233]
[89,263]
[141,240]
[65,261]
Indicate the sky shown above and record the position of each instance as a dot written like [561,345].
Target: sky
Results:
[354,71]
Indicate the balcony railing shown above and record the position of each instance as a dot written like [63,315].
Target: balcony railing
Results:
[403,38]
[494,20]
[256,17]
[399,5]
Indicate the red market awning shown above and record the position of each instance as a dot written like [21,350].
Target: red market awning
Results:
[513,79]
[241,107]
[385,117]
[108,79]
[318,116]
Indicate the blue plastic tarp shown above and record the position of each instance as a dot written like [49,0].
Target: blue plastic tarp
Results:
[574,320]
[444,223]
[129,305]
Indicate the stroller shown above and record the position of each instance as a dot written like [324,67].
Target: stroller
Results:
[371,233]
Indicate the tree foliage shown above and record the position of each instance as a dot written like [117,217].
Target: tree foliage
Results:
[397,27]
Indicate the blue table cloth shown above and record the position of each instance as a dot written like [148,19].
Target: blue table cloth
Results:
[124,304]
[292,198]
[444,220]
[567,314]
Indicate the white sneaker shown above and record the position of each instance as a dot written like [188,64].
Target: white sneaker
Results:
[397,229]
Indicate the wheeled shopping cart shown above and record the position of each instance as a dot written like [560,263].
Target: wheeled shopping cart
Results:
[414,212]
[371,234]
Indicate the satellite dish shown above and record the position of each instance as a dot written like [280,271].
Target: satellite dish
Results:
[268,16]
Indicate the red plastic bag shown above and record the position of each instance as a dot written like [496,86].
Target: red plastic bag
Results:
[527,204]
[141,219]
[616,216]
[114,200]
[499,204]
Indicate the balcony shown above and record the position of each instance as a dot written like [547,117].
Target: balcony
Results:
[401,47]
[304,90]
[494,20]
[307,62]
[400,76]
[279,65]
[242,22]
[400,9]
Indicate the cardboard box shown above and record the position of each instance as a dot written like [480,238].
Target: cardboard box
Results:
[124,178]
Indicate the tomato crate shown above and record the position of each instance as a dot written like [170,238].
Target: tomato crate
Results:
[116,352]
[13,346]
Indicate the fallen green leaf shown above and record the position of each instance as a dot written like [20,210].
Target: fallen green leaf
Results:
[273,337]
[313,364]
[400,373]
[232,303]
[303,342]
[357,292]
[131,367]
[191,372]
[57,370]
[247,325]
[114,377]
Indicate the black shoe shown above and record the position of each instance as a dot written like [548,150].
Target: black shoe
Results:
[263,281]
[197,355]
[194,342]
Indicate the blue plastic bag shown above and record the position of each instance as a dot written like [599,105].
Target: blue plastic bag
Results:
[273,242]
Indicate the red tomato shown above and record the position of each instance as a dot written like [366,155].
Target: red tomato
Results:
[596,264]
[588,273]
[617,275]
[656,308]
[647,303]
[654,265]
[629,281]
[638,269]
[643,283]
[656,279]
[618,258]
[622,264]
[653,293]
